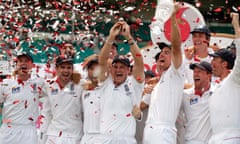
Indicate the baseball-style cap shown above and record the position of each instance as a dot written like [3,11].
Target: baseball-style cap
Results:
[24,54]
[63,59]
[149,73]
[202,65]
[226,55]
[122,59]
[91,63]
[201,29]
[162,45]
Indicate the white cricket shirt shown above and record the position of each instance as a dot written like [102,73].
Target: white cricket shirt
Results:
[166,97]
[196,109]
[116,107]
[62,110]
[225,101]
[91,110]
[21,101]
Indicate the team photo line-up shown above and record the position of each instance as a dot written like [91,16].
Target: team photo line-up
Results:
[193,97]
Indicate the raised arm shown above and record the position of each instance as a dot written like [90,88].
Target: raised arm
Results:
[176,40]
[104,53]
[236,69]
[235,23]
[138,67]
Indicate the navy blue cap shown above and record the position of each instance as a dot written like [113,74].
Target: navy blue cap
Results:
[202,65]
[122,59]
[162,45]
[201,29]
[64,59]
[24,54]
[149,73]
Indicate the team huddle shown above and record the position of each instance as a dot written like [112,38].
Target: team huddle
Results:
[194,98]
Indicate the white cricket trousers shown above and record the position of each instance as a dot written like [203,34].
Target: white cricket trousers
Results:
[90,139]
[159,134]
[62,140]
[18,134]
[226,137]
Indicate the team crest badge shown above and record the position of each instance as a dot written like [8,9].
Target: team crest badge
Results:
[127,90]
[15,90]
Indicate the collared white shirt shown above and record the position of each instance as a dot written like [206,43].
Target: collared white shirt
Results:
[116,107]
[196,110]
[91,100]
[166,97]
[225,101]
[21,99]
[62,110]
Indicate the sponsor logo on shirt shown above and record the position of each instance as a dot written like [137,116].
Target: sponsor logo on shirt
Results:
[15,90]
[193,100]
[54,91]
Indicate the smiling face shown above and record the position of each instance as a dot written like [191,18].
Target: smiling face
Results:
[200,42]
[24,66]
[164,60]
[201,78]
[67,49]
[64,72]
[119,72]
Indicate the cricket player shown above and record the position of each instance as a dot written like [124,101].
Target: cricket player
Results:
[222,64]
[225,101]
[166,96]
[198,52]
[91,101]
[20,97]
[62,109]
[120,92]
[196,105]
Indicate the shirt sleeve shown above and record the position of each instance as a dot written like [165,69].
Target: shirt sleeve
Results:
[3,89]
[46,115]
[138,89]
[146,98]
